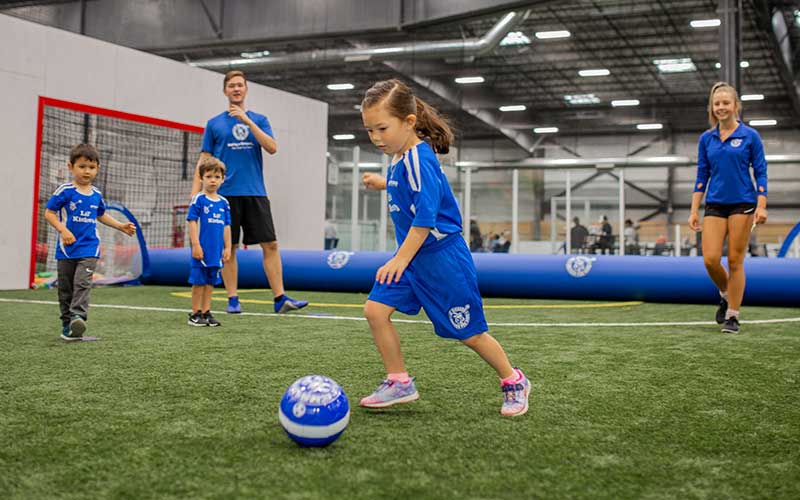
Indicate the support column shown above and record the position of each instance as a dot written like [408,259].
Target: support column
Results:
[515,211]
[730,41]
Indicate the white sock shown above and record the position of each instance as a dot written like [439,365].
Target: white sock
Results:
[731,313]
[724,295]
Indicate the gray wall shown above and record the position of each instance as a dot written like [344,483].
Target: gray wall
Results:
[58,64]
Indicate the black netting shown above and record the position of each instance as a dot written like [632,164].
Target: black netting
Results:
[146,168]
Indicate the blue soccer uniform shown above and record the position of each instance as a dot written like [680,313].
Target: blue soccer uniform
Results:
[231,141]
[723,168]
[419,195]
[79,212]
[212,216]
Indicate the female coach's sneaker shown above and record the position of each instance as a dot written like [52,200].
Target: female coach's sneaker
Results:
[731,325]
[721,310]
[391,392]
[515,397]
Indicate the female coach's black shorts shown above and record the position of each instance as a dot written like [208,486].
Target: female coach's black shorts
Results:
[252,216]
[724,211]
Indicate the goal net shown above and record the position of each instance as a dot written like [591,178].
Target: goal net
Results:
[146,168]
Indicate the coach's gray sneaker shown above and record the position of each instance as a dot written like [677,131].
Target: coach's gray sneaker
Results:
[77,326]
[731,325]
[721,310]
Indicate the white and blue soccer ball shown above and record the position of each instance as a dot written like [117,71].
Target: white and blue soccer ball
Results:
[314,411]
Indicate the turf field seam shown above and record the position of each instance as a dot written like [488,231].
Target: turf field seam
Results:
[417,321]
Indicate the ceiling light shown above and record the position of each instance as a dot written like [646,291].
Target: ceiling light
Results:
[470,79]
[744,64]
[344,137]
[649,126]
[253,55]
[675,65]
[625,102]
[753,97]
[387,50]
[565,161]
[582,99]
[513,107]
[549,35]
[515,38]
[762,123]
[340,86]
[594,72]
[705,23]
[545,130]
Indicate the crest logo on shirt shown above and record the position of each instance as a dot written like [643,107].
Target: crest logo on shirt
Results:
[579,266]
[205,209]
[240,131]
[736,143]
[72,206]
[337,260]
[459,316]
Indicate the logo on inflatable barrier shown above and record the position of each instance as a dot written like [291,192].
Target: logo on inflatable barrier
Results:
[579,266]
[736,143]
[240,131]
[459,317]
[337,260]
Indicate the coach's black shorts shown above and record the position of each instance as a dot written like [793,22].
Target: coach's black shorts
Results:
[725,211]
[252,216]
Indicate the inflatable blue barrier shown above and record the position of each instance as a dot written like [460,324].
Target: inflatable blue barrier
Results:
[770,282]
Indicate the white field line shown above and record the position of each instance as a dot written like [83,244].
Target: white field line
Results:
[398,320]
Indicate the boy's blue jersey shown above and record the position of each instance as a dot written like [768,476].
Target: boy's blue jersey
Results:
[724,167]
[79,212]
[212,216]
[419,195]
[231,141]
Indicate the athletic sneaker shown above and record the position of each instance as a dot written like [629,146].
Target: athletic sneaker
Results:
[515,397]
[721,310]
[210,320]
[233,305]
[77,326]
[65,334]
[287,304]
[197,319]
[391,392]
[731,325]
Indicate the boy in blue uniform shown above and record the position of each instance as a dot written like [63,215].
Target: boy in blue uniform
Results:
[74,210]
[210,235]
[725,155]
[433,268]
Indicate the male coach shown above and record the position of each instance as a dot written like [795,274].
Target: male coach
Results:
[236,137]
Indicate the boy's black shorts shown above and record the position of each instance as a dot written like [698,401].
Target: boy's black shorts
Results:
[252,216]
[725,211]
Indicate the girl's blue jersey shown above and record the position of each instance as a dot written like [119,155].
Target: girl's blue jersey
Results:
[79,212]
[419,195]
[724,167]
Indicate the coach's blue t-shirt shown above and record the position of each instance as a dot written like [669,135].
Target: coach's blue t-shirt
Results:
[232,142]
[79,212]
[419,195]
[724,167]
[212,216]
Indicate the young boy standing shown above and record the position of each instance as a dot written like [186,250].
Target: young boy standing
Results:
[210,234]
[74,210]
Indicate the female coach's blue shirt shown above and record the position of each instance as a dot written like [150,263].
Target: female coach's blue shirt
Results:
[79,212]
[419,195]
[724,167]
[232,142]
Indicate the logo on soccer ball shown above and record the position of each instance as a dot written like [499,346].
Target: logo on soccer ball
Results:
[736,143]
[312,390]
[337,260]
[579,266]
[240,131]
[299,409]
[459,316]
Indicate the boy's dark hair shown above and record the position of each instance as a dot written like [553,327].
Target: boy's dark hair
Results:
[84,150]
[211,164]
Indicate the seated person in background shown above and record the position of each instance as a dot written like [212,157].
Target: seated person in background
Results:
[505,243]
[661,245]
[494,242]
[631,238]
[331,239]
[578,235]
[605,240]
[475,238]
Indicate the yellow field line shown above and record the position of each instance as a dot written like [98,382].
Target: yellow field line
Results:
[508,306]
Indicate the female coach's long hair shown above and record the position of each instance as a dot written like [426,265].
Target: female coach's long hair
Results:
[725,87]
[401,102]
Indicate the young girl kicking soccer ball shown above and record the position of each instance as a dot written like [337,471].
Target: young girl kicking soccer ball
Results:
[433,268]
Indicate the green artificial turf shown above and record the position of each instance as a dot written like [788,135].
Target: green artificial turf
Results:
[159,409]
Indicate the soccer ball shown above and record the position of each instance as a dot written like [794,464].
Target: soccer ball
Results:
[314,411]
